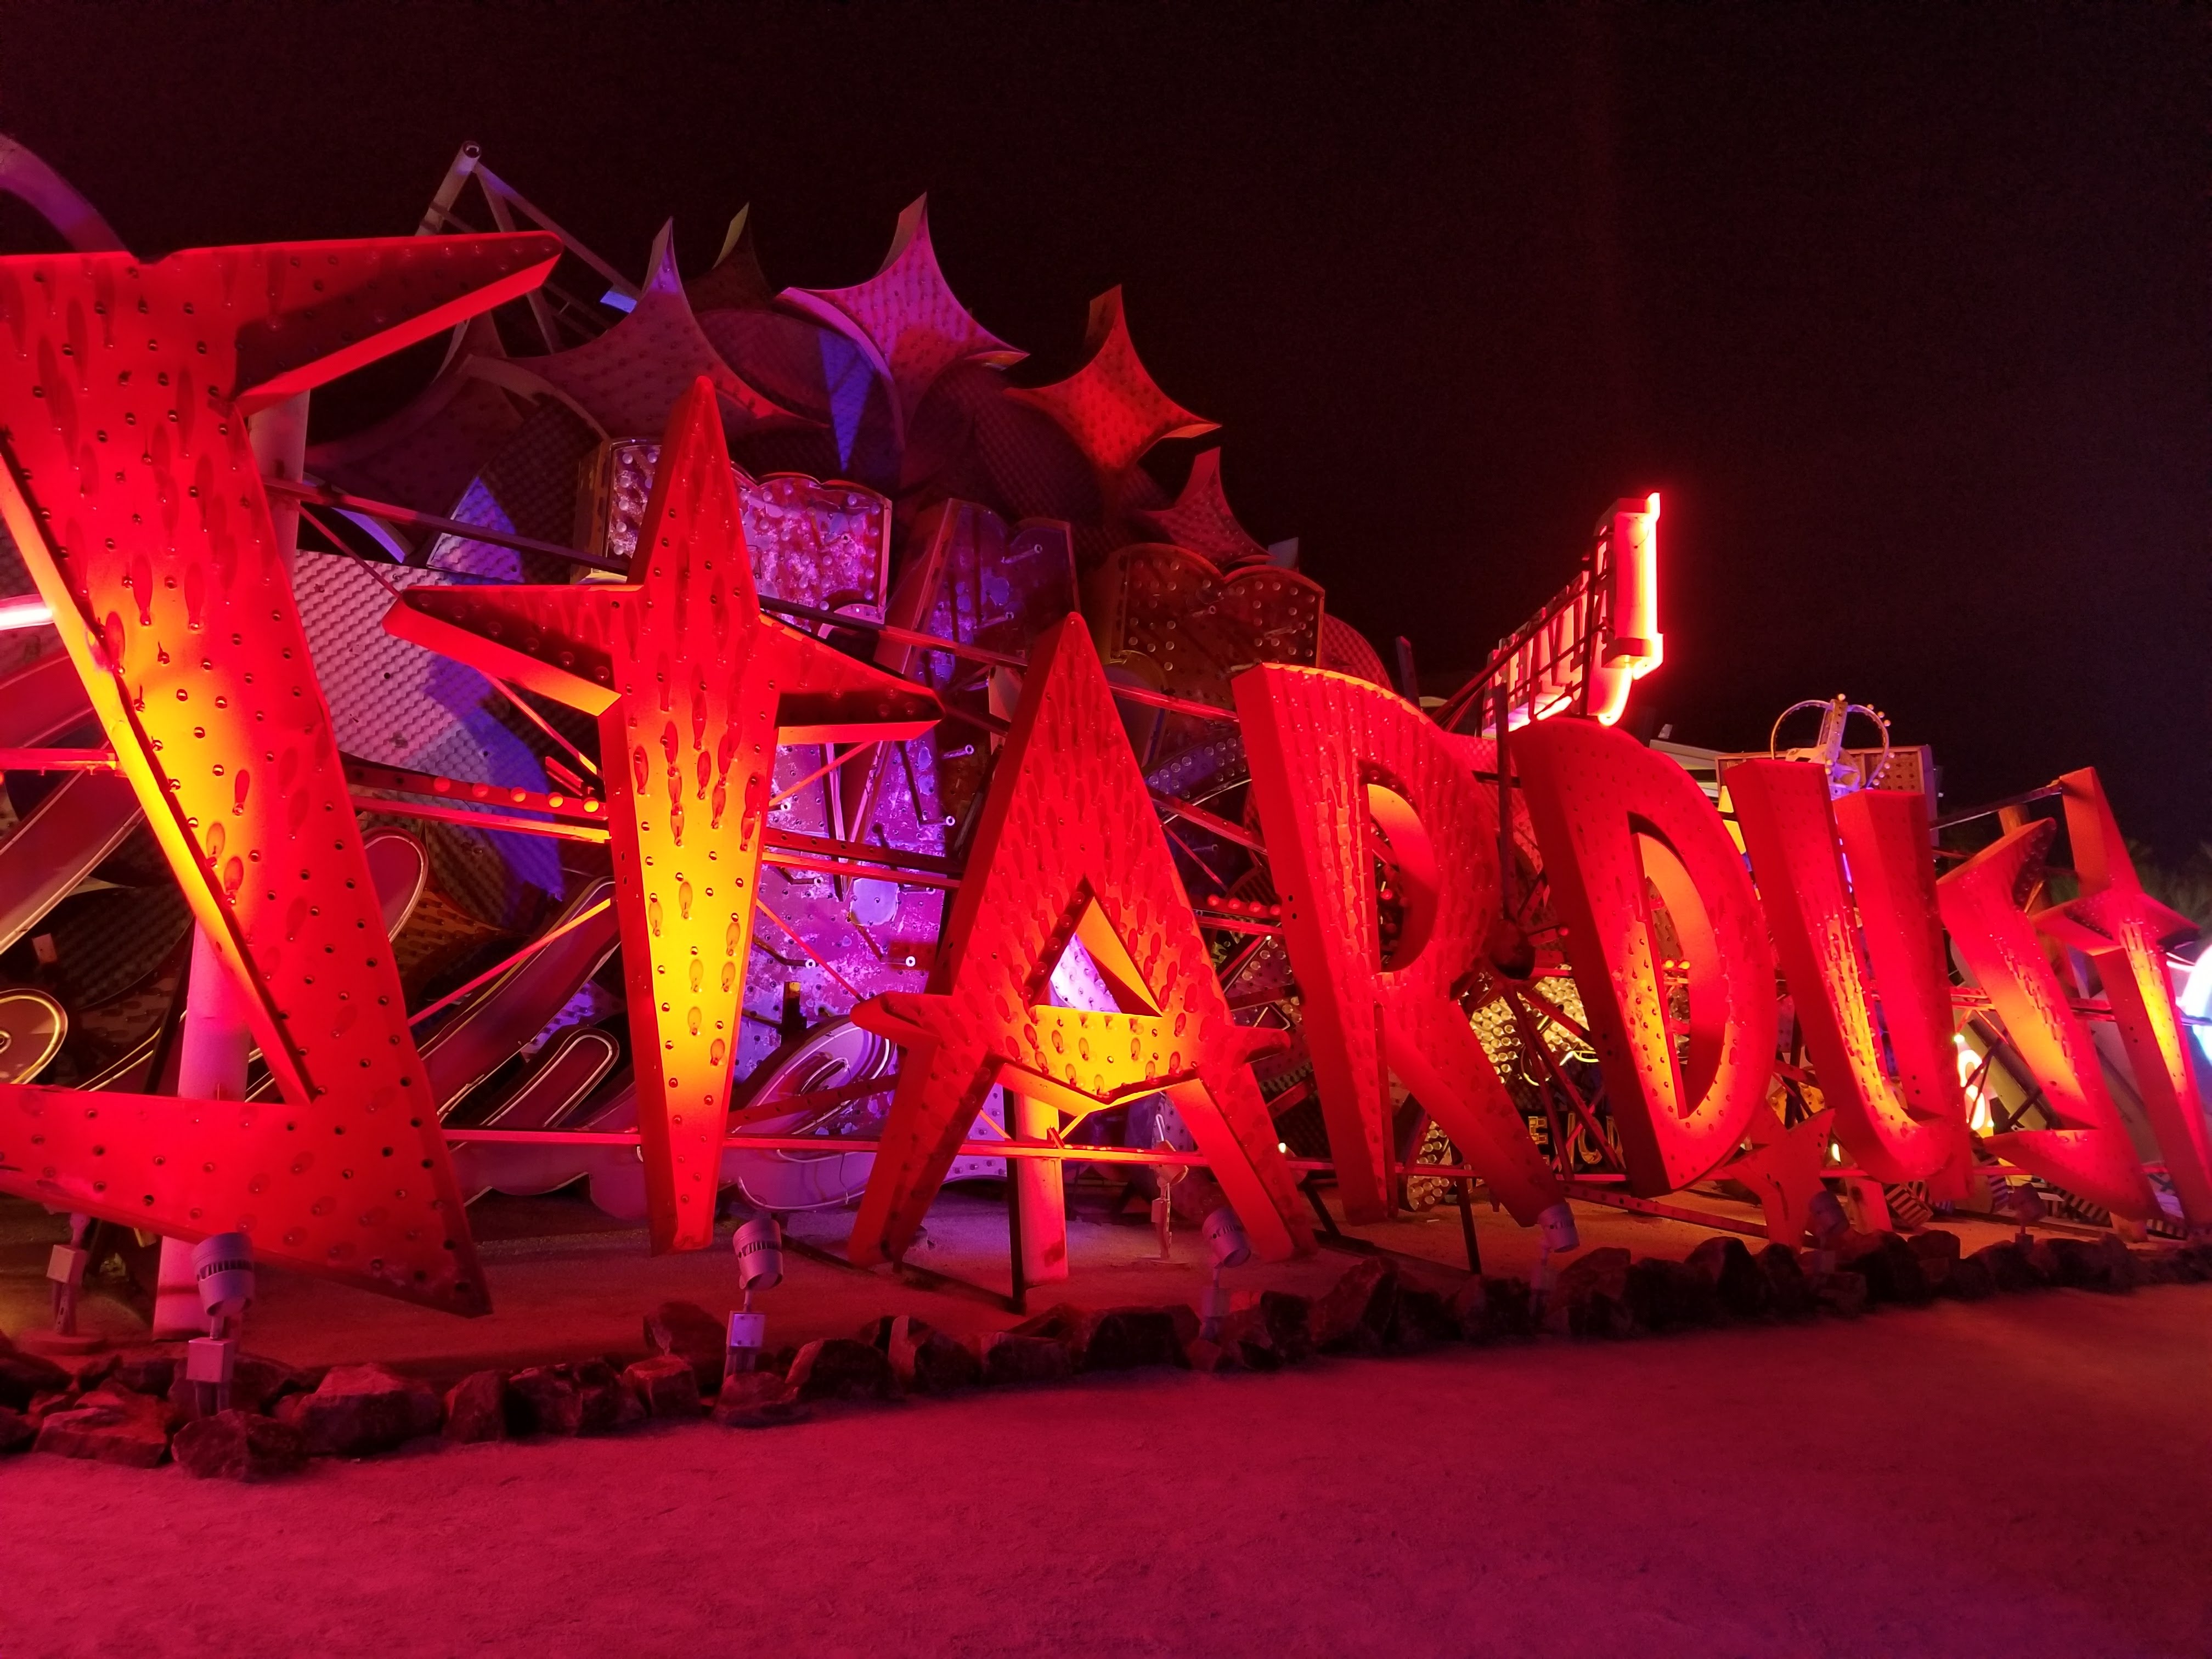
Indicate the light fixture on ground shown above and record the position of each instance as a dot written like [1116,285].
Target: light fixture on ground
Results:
[222,1267]
[759,1247]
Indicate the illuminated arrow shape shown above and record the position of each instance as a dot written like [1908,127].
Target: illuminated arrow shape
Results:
[691,684]
[134,496]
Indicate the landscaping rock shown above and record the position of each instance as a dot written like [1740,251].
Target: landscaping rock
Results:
[543,1400]
[1891,1270]
[1591,1296]
[1424,1318]
[17,1432]
[1668,1296]
[1355,1314]
[236,1445]
[110,1425]
[2011,1267]
[1010,1357]
[608,1402]
[1742,1289]
[1843,1293]
[1968,1280]
[838,1368]
[361,1410]
[1245,1344]
[926,1360]
[2194,1263]
[477,1408]
[758,1399]
[1122,1339]
[1493,1309]
[691,1332]
[257,1385]
[24,1375]
[1785,1277]
[153,1367]
[1289,1320]
[1204,1355]
[665,1386]
[2155,1266]
[2103,1264]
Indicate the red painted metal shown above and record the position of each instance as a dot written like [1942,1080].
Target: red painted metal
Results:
[1111,407]
[2089,1153]
[1333,758]
[906,319]
[691,684]
[1616,822]
[1892,1081]
[134,496]
[2121,929]
[1067,847]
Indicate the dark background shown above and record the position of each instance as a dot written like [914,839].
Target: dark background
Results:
[1904,309]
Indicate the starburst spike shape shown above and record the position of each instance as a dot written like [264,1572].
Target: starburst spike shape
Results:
[1069,846]
[1201,518]
[906,318]
[691,684]
[132,491]
[627,381]
[1111,407]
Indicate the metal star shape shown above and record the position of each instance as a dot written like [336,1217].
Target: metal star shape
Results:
[691,684]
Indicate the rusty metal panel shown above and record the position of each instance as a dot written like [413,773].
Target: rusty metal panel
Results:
[690,683]
[135,496]
[1068,846]
[1618,824]
[1905,1118]
[1344,772]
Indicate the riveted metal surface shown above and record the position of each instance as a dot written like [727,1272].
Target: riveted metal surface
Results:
[136,498]
[1318,742]
[691,684]
[629,378]
[1068,846]
[1111,407]
[2122,929]
[1200,520]
[1618,824]
[1894,1081]
[906,318]
[2089,1153]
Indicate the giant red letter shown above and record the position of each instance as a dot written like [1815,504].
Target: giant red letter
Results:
[1332,759]
[1616,821]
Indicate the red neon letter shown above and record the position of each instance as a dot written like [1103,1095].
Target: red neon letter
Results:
[1901,1130]
[135,498]
[1615,822]
[1334,759]
[2120,927]
[1069,846]
[2089,1154]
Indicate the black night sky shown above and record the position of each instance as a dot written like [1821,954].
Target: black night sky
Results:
[1903,308]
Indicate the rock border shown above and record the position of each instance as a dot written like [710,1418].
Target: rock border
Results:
[135,1407]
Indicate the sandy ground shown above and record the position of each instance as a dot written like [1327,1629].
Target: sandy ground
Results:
[2022,1477]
